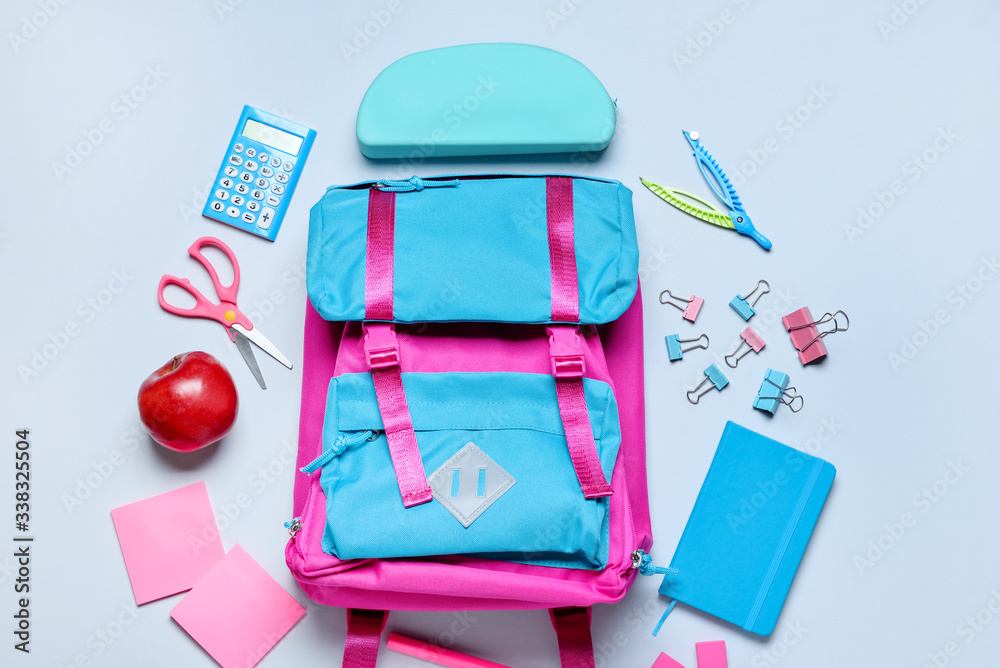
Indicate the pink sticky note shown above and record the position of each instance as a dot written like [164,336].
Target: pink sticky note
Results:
[711,654]
[237,612]
[169,541]
[665,661]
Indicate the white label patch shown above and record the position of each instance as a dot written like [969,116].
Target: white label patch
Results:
[468,483]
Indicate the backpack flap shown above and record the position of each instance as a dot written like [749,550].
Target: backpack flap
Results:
[503,248]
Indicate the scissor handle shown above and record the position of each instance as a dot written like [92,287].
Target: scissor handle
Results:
[226,293]
[202,308]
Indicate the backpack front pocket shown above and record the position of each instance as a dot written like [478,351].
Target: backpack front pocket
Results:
[495,454]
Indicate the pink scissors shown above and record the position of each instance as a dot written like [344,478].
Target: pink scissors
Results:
[227,313]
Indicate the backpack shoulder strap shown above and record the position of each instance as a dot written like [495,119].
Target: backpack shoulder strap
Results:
[576,649]
[364,629]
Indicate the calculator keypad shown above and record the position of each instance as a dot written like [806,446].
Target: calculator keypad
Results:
[268,186]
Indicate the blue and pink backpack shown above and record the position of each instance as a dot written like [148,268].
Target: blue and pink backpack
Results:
[472,425]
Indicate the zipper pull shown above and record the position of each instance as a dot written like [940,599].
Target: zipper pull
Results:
[411,184]
[644,564]
[294,526]
[338,447]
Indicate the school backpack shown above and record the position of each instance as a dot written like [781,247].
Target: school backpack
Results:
[472,423]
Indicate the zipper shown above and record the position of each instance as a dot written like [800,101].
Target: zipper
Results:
[447,178]
[644,564]
[338,447]
[413,183]
[294,526]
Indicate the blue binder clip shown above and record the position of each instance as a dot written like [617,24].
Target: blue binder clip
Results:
[714,375]
[774,391]
[674,349]
[745,308]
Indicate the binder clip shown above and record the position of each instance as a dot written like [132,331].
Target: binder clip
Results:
[713,374]
[806,338]
[689,312]
[745,308]
[674,341]
[750,338]
[774,391]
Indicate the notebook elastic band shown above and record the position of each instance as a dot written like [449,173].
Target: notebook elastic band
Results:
[779,554]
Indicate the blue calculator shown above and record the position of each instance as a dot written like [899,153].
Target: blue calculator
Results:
[259,173]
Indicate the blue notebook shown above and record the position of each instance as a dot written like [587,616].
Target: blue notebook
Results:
[748,529]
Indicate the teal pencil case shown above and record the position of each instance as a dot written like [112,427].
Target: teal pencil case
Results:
[484,99]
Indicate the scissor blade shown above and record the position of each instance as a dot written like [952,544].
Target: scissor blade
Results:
[243,345]
[261,342]
[675,197]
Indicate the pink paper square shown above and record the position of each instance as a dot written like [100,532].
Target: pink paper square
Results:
[168,541]
[665,661]
[711,654]
[237,612]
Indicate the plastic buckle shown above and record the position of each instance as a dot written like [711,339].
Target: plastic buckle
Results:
[381,346]
[566,350]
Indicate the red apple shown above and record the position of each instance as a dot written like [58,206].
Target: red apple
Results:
[189,402]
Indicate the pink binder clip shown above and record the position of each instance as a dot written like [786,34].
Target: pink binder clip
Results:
[688,312]
[806,337]
[750,338]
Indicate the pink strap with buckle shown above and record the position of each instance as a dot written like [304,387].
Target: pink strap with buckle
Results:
[562,254]
[568,365]
[382,352]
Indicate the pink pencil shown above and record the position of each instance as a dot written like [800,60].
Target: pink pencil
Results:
[439,655]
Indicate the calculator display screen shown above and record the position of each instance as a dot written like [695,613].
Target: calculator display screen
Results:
[271,136]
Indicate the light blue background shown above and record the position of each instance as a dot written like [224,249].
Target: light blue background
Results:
[880,99]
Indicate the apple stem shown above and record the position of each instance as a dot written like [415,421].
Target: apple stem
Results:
[177,363]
